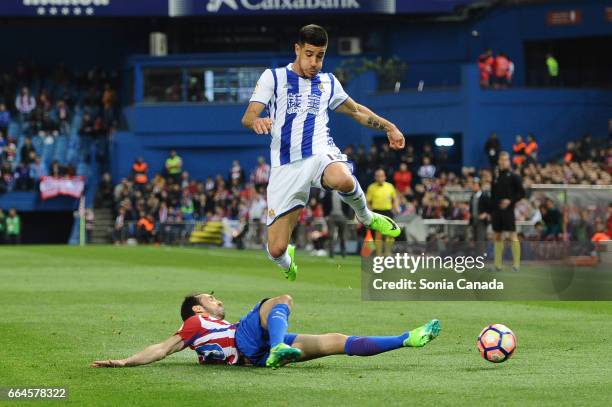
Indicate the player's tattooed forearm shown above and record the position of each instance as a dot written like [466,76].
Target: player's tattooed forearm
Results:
[374,123]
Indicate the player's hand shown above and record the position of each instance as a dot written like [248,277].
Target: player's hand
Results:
[108,363]
[396,139]
[262,125]
[504,203]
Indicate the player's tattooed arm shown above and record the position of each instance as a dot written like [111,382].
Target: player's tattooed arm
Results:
[375,123]
[368,118]
[150,354]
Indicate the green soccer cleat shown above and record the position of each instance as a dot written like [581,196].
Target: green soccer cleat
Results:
[282,354]
[422,335]
[385,225]
[291,272]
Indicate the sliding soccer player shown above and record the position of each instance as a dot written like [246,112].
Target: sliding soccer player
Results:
[261,338]
[303,154]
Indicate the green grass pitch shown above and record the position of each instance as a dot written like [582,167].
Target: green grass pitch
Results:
[63,307]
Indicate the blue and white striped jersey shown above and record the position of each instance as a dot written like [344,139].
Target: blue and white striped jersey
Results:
[298,109]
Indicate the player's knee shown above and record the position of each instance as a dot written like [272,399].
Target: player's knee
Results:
[276,250]
[335,343]
[345,184]
[285,299]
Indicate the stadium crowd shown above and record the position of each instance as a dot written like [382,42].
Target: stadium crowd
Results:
[146,206]
[37,107]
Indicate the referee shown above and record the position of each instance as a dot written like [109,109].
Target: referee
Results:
[506,191]
[382,198]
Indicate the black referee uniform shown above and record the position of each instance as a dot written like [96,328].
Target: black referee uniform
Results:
[506,185]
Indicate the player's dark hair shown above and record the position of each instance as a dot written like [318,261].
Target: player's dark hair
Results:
[187,306]
[314,35]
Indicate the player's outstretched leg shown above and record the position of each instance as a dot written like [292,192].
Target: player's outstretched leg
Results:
[338,177]
[317,346]
[274,317]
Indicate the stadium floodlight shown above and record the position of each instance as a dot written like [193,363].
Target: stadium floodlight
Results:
[444,142]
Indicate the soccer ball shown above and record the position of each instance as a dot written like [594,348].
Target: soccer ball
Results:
[496,343]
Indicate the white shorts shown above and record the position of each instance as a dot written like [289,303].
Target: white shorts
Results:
[289,185]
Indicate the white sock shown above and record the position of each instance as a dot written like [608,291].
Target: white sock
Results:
[357,200]
[283,261]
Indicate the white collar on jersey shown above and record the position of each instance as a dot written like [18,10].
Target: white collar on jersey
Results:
[290,67]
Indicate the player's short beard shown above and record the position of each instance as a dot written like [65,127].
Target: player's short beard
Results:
[218,313]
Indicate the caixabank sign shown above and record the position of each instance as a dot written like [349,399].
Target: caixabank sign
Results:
[178,8]
[185,8]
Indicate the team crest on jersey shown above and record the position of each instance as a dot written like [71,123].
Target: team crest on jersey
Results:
[321,87]
[271,213]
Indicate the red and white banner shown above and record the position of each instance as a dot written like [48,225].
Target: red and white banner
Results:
[50,187]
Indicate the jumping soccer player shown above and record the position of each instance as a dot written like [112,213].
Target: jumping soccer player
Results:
[261,338]
[303,154]
[506,191]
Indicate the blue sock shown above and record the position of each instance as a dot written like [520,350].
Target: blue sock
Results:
[278,323]
[373,345]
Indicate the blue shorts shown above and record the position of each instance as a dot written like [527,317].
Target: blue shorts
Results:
[252,340]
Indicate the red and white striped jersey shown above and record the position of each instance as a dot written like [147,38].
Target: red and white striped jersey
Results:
[213,339]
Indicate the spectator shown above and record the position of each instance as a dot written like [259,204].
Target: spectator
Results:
[403,179]
[62,114]
[2,226]
[6,177]
[239,233]
[104,195]
[236,173]
[492,149]
[37,170]
[119,227]
[257,215]
[9,153]
[145,229]
[5,118]
[409,158]
[485,67]
[531,148]
[552,219]
[22,177]
[336,213]
[518,150]
[501,68]
[25,103]
[26,150]
[427,170]
[87,126]
[582,229]
[187,209]
[140,171]
[261,173]
[55,169]
[174,166]
[570,153]
[109,100]
[552,70]
[480,212]
[601,234]
[13,227]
